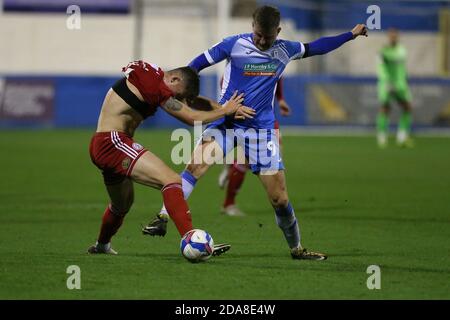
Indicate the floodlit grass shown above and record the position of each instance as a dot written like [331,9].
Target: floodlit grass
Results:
[360,205]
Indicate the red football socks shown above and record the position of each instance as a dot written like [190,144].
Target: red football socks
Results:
[235,179]
[177,207]
[110,224]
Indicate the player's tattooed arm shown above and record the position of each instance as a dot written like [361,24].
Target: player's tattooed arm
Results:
[173,104]
[179,110]
[189,116]
[204,104]
[213,104]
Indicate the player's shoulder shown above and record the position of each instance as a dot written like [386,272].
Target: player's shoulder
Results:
[247,35]
[285,41]
[236,37]
[292,48]
[144,66]
[281,41]
[237,40]
[288,44]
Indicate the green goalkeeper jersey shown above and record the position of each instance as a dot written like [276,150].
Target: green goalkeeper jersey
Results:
[392,84]
[392,66]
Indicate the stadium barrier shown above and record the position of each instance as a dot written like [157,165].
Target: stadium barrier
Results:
[74,101]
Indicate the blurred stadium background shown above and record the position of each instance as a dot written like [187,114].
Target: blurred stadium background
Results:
[359,204]
[51,76]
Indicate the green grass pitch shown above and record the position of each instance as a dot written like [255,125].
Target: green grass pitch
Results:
[361,205]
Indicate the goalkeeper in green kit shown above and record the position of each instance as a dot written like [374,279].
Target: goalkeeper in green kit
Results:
[392,86]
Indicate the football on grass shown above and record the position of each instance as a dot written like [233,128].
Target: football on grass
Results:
[197,245]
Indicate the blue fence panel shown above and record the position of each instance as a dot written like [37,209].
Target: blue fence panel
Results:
[87,6]
[314,100]
[78,100]
[344,14]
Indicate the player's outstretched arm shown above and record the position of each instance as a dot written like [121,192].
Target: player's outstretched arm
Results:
[187,115]
[326,44]
[206,104]
[215,54]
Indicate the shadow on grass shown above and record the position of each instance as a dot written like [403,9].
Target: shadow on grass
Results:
[322,208]
[228,256]
[336,262]
[415,269]
[300,210]
[263,261]
[364,218]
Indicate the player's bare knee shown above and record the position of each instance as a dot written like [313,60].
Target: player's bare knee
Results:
[197,170]
[279,200]
[191,168]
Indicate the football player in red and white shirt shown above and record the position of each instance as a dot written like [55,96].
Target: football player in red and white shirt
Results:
[127,104]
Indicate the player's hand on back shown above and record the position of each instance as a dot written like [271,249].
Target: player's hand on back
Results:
[244,112]
[232,105]
[359,30]
[235,104]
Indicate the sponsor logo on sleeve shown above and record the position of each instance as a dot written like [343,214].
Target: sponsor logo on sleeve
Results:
[136,146]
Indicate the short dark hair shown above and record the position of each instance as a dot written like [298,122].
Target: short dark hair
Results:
[267,17]
[191,82]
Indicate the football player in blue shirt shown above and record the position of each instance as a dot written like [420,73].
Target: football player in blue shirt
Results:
[255,62]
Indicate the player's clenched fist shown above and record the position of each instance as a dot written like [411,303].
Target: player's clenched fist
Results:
[359,30]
